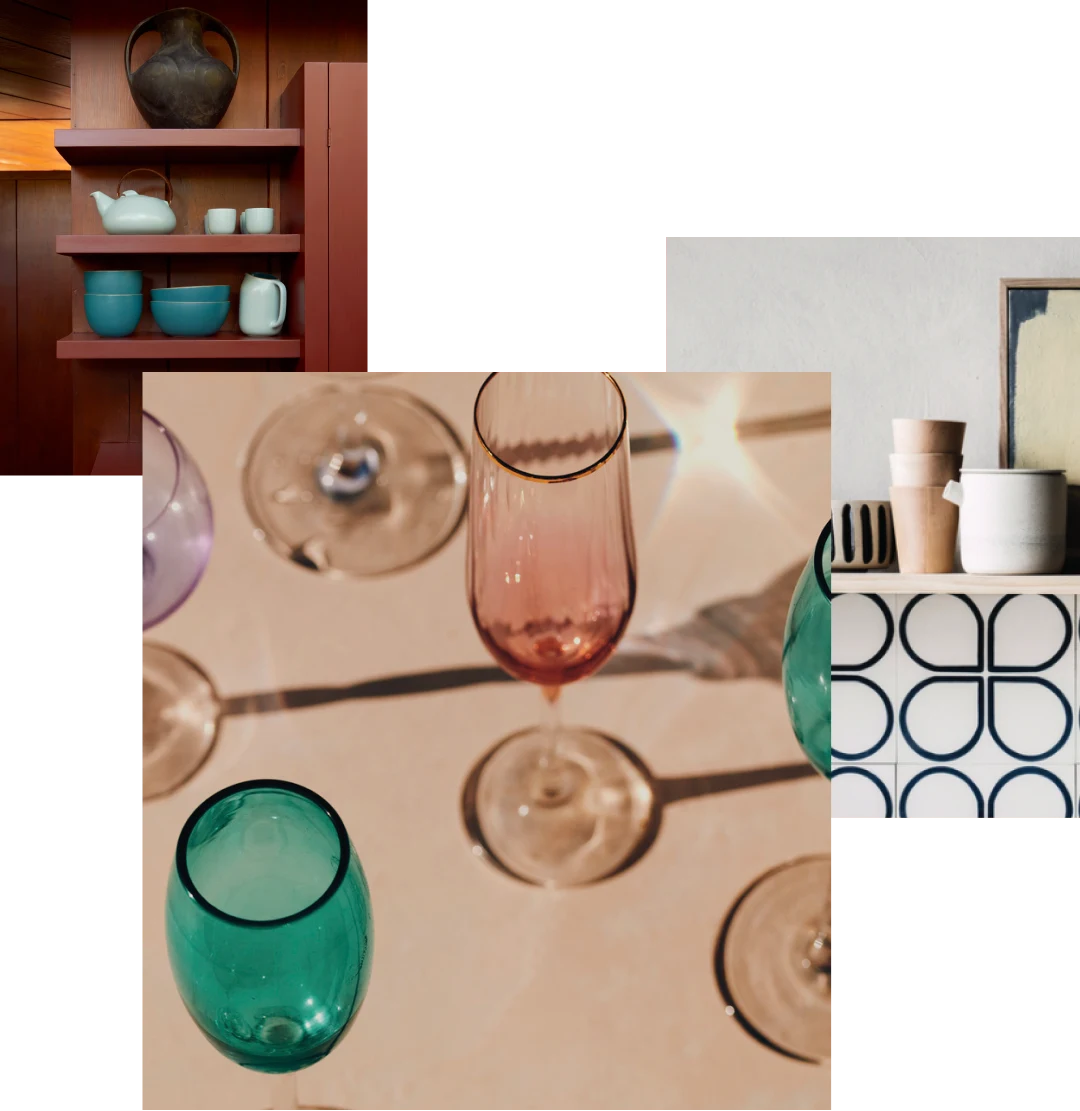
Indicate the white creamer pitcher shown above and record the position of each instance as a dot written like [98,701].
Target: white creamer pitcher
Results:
[262,305]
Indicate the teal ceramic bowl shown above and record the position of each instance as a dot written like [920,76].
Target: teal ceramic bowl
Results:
[189,318]
[113,314]
[112,281]
[191,293]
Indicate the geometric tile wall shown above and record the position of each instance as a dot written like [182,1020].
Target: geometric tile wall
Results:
[955,706]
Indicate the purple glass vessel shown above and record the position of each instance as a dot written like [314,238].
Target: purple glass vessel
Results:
[178,524]
[180,707]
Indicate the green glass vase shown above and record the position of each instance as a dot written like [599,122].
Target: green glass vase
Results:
[268,922]
[807,659]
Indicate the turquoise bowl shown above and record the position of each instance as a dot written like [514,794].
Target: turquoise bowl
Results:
[189,318]
[113,314]
[112,281]
[191,293]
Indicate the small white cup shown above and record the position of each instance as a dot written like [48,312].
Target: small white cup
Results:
[220,221]
[257,221]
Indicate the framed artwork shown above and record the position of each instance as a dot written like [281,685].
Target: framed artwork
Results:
[1040,384]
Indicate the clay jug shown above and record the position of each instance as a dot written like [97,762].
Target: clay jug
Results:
[182,85]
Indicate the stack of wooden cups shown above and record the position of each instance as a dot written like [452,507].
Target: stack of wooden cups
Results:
[927,456]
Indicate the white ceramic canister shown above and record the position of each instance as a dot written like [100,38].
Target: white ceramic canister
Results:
[262,305]
[1011,522]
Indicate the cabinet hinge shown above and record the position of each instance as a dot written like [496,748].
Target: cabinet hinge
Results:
[328,136]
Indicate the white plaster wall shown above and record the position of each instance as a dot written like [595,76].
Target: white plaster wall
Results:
[907,327]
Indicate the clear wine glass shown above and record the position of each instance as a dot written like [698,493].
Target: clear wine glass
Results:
[180,707]
[355,479]
[777,960]
[269,928]
[551,584]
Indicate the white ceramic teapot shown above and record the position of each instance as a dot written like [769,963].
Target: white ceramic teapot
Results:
[130,213]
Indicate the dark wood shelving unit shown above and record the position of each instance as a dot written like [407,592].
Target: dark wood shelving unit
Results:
[295,158]
[118,459]
[179,244]
[156,345]
[92,146]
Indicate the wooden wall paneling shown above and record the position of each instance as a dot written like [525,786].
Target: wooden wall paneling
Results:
[28,145]
[30,26]
[18,108]
[9,330]
[101,401]
[28,60]
[297,35]
[55,7]
[45,436]
[32,88]
[100,96]
[305,209]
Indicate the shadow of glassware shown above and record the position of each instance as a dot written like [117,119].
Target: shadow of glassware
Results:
[665,791]
[737,638]
[718,960]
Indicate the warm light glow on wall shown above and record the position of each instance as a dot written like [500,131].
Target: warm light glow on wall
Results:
[28,145]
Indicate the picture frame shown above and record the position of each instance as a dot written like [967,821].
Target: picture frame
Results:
[1043,370]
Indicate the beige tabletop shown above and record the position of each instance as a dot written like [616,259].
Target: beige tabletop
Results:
[486,992]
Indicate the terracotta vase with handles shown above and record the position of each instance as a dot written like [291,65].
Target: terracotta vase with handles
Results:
[182,84]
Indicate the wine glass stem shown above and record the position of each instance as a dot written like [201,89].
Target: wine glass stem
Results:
[819,950]
[285,1097]
[553,783]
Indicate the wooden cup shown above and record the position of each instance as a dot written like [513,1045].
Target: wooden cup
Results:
[926,526]
[931,469]
[918,437]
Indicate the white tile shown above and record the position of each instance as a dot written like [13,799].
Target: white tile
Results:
[863,720]
[1030,718]
[1043,791]
[1012,789]
[1027,632]
[965,670]
[1031,671]
[939,633]
[864,791]
[863,631]
[940,791]
[863,678]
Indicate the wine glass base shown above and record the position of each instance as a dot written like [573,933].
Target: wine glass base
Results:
[583,817]
[354,480]
[762,960]
[181,713]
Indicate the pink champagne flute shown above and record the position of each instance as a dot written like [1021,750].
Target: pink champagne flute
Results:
[551,584]
[180,708]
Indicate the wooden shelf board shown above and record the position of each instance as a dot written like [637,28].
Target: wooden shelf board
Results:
[83,146]
[178,244]
[155,345]
[890,583]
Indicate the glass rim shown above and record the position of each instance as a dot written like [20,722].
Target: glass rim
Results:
[550,478]
[172,442]
[286,787]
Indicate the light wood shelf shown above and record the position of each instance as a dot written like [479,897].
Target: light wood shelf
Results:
[889,583]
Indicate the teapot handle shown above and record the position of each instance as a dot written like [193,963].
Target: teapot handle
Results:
[146,25]
[147,170]
[212,24]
